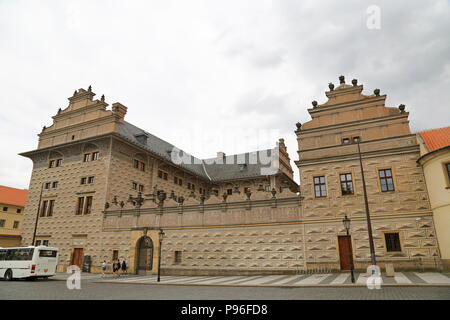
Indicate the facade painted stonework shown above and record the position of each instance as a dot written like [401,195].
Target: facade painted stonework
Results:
[241,214]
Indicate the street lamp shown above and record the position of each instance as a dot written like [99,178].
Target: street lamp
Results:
[346,222]
[161,236]
[37,215]
[366,203]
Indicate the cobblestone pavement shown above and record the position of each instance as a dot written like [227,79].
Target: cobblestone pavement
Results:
[90,289]
[336,279]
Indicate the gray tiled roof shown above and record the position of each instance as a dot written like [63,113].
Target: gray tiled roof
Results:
[231,168]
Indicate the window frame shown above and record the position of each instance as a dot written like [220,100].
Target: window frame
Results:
[86,157]
[44,206]
[16,224]
[88,204]
[398,246]
[386,178]
[320,184]
[80,206]
[51,207]
[95,155]
[347,183]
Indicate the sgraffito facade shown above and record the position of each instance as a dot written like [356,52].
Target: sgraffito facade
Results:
[118,186]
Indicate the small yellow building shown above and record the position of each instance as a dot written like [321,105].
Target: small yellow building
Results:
[435,160]
[12,203]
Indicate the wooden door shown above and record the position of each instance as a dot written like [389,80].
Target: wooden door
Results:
[77,257]
[345,249]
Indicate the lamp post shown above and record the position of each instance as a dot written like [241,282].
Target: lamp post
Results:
[161,236]
[346,222]
[369,223]
[37,215]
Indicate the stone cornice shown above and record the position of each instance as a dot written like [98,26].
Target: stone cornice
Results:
[99,105]
[352,123]
[354,156]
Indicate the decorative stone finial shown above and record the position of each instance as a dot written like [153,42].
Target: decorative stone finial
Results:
[376,92]
[43,128]
[180,200]
[331,86]
[90,89]
[355,82]
[103,98]
[341,79]
[225,196]
[202,198]
[59,110]
[401,108]
[298,125]
[314,103]
[236,190]
[260,187]
[106,205]
[75,93]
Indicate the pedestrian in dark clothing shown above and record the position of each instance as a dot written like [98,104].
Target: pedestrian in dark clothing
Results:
[124,267]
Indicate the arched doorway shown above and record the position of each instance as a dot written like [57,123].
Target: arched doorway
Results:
[144,255]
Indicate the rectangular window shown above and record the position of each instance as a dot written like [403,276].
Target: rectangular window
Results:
[160,174]
[392,242]
[38,242]
[51,164]
[51,205]
[346,184]
[447,166]
[175,180]
[83,180]
[86,157]
[178,257]
[47,253]
[141,188]
[47,185]
[80,205]
[386,182]
[55,184]
[16,225]
[320,187]
[165,175]
[135,164]
[91,180]
[229,192]
[94,156]
[134,186]
[142,166]
[45,243]
[59,162]
[19,210]
[5,208]
[2,223]
[180,182]
[88,205]
[43,208]
[201,190]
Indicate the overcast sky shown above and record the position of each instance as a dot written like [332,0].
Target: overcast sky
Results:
[210,76]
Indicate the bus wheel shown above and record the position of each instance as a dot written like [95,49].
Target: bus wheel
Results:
[8,275]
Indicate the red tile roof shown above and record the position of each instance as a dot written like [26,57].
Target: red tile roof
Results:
[13,196]
[436,138]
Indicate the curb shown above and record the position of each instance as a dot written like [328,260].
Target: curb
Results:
[275,286]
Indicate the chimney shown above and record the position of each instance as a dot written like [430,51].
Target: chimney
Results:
[119,110]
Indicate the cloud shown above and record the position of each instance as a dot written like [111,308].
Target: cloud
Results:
[204,74]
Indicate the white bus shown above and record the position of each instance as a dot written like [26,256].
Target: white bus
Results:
[28,262]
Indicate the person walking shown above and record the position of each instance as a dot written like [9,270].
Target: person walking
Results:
[103,268]
[116,268]
[124,267]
